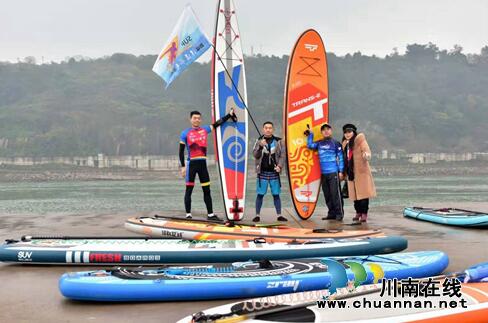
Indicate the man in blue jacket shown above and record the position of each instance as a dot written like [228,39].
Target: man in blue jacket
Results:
[332,169]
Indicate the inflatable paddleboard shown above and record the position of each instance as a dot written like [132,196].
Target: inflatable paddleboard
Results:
[448,216]
[475,310]
[162,227]
[137,251]
[228,90]
[306,103]
[234,280]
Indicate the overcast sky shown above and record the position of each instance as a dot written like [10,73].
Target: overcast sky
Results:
[55,29]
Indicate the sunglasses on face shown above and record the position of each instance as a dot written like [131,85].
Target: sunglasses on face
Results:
[348,131]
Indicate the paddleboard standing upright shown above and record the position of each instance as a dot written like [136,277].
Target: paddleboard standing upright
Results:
[231,137]
[306,103]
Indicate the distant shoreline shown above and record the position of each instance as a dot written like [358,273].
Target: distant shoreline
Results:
[439,169]
[56,172]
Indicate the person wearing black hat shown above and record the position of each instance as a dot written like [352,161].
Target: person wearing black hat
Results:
[332,168]
[360,182]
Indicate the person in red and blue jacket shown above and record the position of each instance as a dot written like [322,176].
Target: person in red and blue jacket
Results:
[195,141]
[332,168]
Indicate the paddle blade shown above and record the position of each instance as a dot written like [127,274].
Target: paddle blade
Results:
[338,274]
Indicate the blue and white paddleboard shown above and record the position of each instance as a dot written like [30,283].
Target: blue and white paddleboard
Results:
[236,280]
[228,90]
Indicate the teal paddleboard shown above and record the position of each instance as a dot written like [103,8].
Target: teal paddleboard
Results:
[448,216]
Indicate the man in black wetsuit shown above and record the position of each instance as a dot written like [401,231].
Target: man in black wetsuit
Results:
[195,141]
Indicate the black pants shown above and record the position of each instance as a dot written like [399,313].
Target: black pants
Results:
[361,206]
[331,187]
[199,167]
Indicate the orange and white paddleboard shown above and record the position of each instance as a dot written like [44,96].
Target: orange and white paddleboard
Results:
[442,310]
[168,227]
[306,103]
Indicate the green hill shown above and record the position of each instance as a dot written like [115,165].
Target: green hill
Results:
[425,100]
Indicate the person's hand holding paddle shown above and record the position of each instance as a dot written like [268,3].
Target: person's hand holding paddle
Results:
[233,115]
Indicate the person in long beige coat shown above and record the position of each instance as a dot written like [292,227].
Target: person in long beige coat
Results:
[360,184]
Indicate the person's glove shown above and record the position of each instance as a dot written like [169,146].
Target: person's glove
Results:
[233,115]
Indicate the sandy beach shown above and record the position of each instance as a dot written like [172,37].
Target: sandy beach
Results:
[30,293]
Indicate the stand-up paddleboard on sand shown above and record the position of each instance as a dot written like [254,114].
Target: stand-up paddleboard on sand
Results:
[169,227]
[306,103]
[475,309]
[226,93]
[448,216]
[436,298]
[237,280]
[140,251]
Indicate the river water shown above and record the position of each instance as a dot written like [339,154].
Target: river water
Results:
[82,197]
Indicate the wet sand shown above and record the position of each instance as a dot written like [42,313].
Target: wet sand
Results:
[30,293]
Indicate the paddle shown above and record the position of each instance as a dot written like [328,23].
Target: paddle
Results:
[157,216]
[259,225]
[54,237]
[475,273]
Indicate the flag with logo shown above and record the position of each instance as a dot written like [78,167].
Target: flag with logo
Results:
[186,43]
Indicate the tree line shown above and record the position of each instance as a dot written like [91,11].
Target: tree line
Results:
[427,99]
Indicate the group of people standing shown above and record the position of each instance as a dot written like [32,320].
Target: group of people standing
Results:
[339,161]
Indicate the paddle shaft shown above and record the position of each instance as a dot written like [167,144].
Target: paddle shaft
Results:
[237,90]
[259,225]
[53,237]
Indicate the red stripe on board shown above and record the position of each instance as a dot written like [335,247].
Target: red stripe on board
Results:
[230,180]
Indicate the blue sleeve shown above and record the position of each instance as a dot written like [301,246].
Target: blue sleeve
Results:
[310,143]
[207,128]
[183,137]
[340,157]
